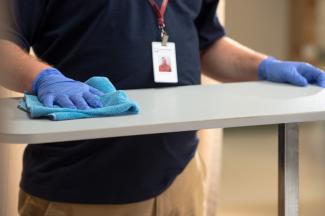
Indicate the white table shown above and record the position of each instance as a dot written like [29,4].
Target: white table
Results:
[192,108]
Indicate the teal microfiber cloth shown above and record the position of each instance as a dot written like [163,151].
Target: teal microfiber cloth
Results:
[115,102]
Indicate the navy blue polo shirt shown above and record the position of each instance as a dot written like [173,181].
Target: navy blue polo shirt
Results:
[111,38]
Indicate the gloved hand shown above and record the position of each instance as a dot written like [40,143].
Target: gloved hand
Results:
[296,73]
[52,87]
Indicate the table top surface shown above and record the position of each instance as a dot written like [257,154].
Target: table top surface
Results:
[176,109]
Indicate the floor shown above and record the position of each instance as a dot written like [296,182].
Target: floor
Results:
[249,171]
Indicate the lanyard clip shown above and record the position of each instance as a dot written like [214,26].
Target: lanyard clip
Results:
[164,35]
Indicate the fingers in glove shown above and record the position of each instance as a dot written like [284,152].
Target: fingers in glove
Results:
[95,91]
[48,101]
[79,102]
[64,102]
[318,76]
[295,78]
[321,80]
[311,73]
[92,100]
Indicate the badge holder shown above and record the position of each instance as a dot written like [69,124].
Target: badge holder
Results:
[164,60]
[163,53]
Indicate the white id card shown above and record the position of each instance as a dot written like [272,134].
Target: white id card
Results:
[164,63]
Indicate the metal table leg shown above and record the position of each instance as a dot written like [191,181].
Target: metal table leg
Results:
[288,174]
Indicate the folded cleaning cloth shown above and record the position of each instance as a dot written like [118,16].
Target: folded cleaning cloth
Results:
[114,103]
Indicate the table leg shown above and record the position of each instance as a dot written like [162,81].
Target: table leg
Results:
[288,174]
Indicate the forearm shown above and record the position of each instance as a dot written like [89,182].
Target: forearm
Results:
[18,69]
[228,61]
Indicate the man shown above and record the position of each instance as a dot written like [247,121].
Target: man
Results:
[157,174]
[164,67]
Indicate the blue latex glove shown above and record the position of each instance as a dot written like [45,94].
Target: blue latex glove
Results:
[53,88]
[296,73]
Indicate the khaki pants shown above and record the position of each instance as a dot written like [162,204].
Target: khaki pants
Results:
[185,197]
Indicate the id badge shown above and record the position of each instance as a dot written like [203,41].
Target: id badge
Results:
[164,62]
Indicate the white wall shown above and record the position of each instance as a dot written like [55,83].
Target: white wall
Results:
[259,24]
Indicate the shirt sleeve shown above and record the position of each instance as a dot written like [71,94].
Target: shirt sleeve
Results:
[208,25]
[22,22]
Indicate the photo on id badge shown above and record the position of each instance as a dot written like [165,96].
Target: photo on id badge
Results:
[164,62]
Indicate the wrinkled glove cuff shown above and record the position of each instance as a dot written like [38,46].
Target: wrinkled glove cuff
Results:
[44,73]
[262,68]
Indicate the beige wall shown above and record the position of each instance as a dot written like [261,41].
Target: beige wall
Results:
[222,11]
[321,23]
[260,24]
[3,180]
[10,171]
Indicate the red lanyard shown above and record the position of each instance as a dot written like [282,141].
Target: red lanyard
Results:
[160,12]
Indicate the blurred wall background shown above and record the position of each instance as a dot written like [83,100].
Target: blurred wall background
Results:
[320,22]
[10,166]
[249,155]
[260,24]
